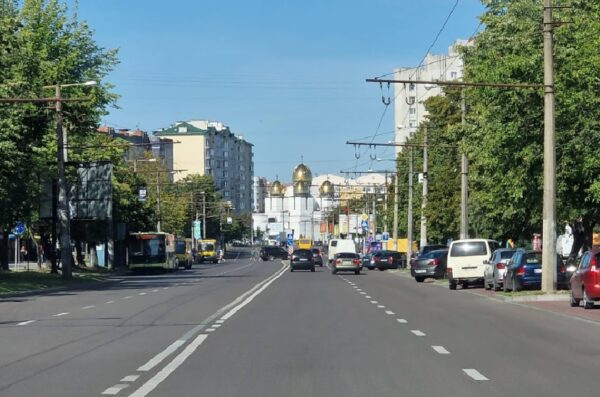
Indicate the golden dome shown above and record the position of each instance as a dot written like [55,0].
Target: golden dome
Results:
[326,189]
[276,189]
[302,174]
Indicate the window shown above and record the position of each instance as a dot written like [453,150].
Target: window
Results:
[411,100]
[453,75]
[469,249]
[226,154]
[411,86]
[412,111]
[225,164]
[225,174]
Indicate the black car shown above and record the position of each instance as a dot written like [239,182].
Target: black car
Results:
[383,260]
[302,259]
[425,250]
[432,264]
[317,256]
[271,252]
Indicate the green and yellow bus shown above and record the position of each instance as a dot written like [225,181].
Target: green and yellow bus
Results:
[152,250]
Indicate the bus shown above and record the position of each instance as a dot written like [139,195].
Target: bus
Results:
[304,244]
[183,252]
[152,250]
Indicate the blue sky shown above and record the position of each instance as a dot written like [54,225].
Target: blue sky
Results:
[288,75]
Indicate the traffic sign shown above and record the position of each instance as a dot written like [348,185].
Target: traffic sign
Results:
[19,228]
[197,234]
[364,224]
[385,236]
[364,217]
[378,237]
[142,194]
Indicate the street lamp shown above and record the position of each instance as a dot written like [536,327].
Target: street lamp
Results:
[63,201]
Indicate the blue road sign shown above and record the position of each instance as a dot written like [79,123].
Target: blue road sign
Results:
[197,233]
[385,236]
[19,228]
[364,224]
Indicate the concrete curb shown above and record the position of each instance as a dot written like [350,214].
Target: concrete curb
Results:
[72,287]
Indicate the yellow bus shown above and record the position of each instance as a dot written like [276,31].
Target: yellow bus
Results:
[305,243]
[154,250]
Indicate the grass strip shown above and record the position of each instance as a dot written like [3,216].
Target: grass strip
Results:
[27,281]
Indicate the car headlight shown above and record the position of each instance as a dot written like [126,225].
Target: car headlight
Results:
[571,268]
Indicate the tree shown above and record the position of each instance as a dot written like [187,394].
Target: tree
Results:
[40,45]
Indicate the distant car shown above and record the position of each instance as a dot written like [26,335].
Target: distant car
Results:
[432,264]
[525,271]
[302,259]
[268,253]
[367,261]
[384,260]
[585,281]
[495,269]
[317,257]
[346,262]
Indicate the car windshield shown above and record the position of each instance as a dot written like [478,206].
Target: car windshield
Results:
[180,247]
[506,254]
[533,258]
[435,254]
[470,248]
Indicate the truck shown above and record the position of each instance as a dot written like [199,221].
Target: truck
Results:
[207,251]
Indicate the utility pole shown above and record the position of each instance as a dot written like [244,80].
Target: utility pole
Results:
[204,215]
[395,225]
[549,212]
[425,190]
[409,229]
[63,203]
[464,218]
[158,202]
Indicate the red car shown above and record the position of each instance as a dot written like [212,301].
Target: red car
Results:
[585,282]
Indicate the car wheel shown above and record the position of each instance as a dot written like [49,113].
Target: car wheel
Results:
[381,269]
[587,303]
[333,271]
[357,272]
[420,279]
[451,285]
[487,285]
[574,301]
[291,269]
[465,285]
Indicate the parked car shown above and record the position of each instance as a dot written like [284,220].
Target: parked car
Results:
[271,252]
[346,261]
[367,261]
[384,260]
[525,271]
[495,269]
[317,257]
[585,281]
[465,261]
[425,250]
[432,264]
[302,259]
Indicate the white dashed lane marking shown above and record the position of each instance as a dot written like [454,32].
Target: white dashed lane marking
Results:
[368,296]
[111,391]
[61,314]
[381,306]
[109,302]
[161,356]
[128,297]
[374,302]
[142,293]
[440,349]
[88,307]
[26,322]
[389,312]
[363,293]
[473,373]
[210,330]
[130,378]
[417,332]
[154,290]
[401,320]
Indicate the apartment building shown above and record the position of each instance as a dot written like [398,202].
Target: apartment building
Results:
[209,148]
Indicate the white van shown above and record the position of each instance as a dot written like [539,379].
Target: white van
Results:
[466,261]
[338,245]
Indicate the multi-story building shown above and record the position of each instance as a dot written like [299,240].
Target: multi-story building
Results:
[210,148]
[259,192]
[409,110]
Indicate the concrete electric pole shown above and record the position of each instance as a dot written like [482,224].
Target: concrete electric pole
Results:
[425,191]
[464,195]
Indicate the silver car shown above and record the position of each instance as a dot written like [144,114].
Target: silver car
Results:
[495,268]
[346,262]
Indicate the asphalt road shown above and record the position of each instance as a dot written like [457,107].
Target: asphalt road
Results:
[245,328]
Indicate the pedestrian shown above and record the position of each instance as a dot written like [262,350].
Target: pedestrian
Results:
[221,255]
[23,252]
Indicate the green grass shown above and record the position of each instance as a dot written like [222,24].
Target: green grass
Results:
[27,281]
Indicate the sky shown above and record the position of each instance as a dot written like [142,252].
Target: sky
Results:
[287,75]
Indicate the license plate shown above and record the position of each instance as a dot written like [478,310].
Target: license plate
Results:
[537,270]
[303,259]
[420,271]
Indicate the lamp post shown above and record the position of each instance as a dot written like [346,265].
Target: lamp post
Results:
[63,200]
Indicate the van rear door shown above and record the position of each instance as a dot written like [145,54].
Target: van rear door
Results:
[467,259]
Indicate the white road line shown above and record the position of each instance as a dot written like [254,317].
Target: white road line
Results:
[440,349]
[154,290]
[109,302]
[165,287]
[417,332]
[368,296]
[26,322]
[401,320]
[389,312]
[473,373]
[88,307]
[220,321]
[153,382]
[154,361]
[210,330]
[142,293]
[61,314]
[216,325]
[363,293]
[115,389]
[130,378]
[381,306]
[359,289]
[374,302]
[128,297]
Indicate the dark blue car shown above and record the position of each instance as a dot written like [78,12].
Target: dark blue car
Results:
[525,271]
